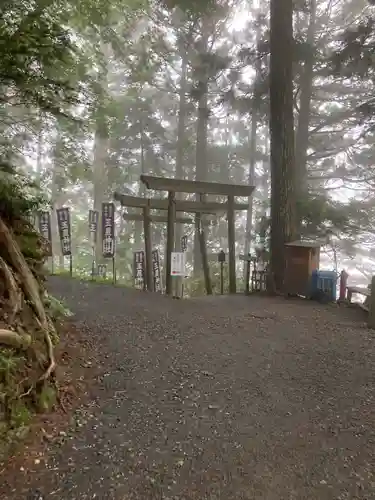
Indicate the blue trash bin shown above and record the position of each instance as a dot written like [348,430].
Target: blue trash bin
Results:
[324,282]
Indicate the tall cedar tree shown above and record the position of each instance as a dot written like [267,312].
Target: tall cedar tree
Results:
[283,212]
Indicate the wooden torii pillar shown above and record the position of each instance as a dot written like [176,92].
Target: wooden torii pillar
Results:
[173,186]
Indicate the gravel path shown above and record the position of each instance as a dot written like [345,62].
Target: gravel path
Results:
[218,398]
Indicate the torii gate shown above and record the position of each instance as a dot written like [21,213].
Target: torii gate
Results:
[148,204]
[202,188]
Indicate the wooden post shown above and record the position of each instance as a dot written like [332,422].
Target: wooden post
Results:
[343,285]
[170,242]
[206,268]
[371,310]
[178,280]
[221,278]
[203,251]
[148,247]
[231,245]
[247,274]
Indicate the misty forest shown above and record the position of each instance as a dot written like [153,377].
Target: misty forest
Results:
[275,94]
[93,97]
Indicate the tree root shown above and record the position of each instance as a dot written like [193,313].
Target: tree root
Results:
[15,296]
[52,363]
[30,288]
[13,339]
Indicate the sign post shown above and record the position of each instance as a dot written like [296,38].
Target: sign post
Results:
[93,235]
[156,271]
[46,231]
[139,269]
[184,242]
[108,234]
[63,222]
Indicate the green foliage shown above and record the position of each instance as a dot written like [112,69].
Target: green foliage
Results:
[356,51]
[320,214]
[19,196]
[192,8]
[8,366]
[34,50]
[20,414]
[46,399]
[56,308]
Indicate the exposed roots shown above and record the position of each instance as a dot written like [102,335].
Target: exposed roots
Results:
[13,339]
[15,295]
[15,269]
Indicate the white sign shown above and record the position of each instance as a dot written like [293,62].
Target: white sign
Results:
[178,264]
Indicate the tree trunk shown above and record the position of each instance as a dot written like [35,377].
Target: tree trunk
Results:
[265,178]
[138,225]
[251,178]
[201,145]
[306,88]
[253,151]
[180,150]
[283,209]
[201,166]
[100,176]
[57,201]
[101,144]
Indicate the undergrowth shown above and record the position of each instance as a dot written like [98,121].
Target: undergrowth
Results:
[29,317]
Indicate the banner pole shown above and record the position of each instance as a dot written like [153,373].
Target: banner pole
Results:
[114,269]
[71,265]
[93,264]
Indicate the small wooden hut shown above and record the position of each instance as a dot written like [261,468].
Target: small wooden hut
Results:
[302,258]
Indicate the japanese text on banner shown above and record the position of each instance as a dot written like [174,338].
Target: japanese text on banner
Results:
[45,229]
[93,225]
[108,228]
[63,221]
[156,271]
[139,268]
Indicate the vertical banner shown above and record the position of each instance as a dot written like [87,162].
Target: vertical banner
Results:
[93,226]
[63,223]
[139,269]
[156,271]
[108,230]
[184,241]
[93,237]
[46,230]
[108,235]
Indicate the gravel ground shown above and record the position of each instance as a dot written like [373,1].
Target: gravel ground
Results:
[218,398]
